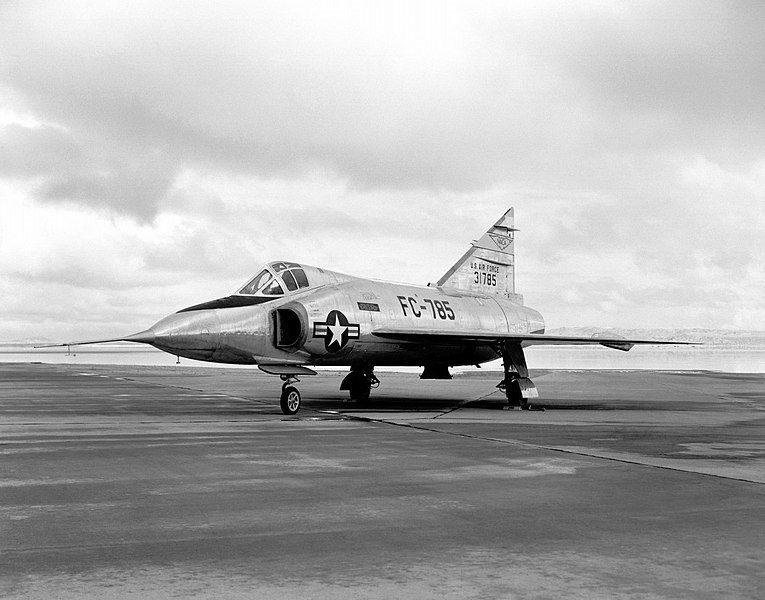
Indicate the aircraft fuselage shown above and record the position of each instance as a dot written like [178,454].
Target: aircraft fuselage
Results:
[333,325]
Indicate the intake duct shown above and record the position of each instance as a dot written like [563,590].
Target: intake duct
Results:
[290,326]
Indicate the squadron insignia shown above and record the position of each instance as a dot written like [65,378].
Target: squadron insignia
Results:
[336,331]
[501,241]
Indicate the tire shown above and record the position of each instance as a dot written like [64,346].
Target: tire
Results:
[360,392]
[513,393]
[290,400]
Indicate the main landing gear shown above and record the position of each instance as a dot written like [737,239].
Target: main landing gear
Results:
[290,399]
[359,382]
[516,384]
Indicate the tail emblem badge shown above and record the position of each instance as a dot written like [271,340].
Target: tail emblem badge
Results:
[501,241]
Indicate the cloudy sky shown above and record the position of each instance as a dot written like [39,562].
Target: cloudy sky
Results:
[154,154]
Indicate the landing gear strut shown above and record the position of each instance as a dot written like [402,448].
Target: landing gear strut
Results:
[516,384]
[359,383]
[290,399]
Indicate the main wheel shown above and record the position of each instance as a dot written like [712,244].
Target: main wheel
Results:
[514,395]
[290,400]
[360,391]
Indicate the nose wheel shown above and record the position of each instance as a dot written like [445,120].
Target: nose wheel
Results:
[290,398]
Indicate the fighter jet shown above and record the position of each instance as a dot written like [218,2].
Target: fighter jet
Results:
[291,316]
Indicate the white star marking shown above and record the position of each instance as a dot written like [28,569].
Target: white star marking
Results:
[337,333]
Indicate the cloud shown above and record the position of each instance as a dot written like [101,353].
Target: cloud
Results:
[173,147]
[386,95]
[36,151]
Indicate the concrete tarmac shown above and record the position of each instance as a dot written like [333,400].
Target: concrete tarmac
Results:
[159,482]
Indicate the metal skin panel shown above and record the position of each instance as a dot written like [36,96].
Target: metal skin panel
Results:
[339,320]
[369,305]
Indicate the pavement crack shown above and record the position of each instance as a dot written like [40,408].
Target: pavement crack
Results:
[567,451]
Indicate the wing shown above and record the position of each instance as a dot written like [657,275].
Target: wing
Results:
[436,336]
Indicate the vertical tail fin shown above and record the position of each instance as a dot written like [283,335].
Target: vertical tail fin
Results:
[489,265]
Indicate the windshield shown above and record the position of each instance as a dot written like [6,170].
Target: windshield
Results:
[256,283]
[272,289]
[287,275]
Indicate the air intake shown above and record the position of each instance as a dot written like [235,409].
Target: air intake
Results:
[288,328]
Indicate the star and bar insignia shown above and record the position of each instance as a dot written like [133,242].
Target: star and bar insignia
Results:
[336,331]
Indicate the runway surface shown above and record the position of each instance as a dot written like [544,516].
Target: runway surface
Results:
[160,482]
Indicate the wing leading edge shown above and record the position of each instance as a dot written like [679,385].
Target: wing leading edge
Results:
[435,336]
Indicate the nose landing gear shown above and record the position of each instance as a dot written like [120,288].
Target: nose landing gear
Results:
[290,398]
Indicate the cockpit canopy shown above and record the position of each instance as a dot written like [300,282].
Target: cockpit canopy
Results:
[274,278]
[270,283]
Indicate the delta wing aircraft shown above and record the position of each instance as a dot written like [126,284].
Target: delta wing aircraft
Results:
[291,317]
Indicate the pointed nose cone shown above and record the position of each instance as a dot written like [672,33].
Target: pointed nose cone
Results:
[192,335]
[143,337]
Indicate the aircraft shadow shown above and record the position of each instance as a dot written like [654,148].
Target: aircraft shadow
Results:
[401,404]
